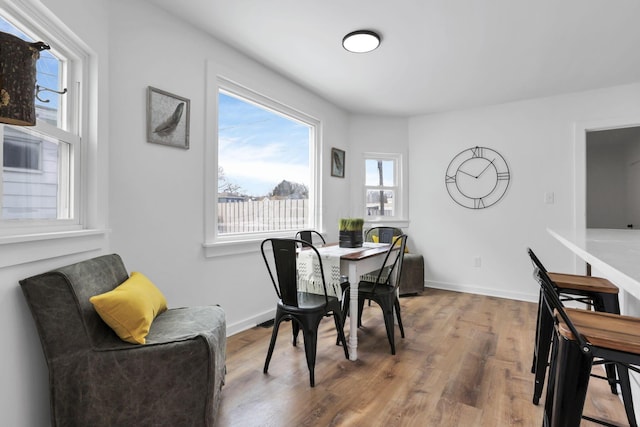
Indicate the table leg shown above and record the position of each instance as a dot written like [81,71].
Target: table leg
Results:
[353,310]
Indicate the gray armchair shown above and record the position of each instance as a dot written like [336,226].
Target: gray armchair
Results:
[96,379]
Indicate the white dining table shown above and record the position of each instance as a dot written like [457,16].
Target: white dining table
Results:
[354,262]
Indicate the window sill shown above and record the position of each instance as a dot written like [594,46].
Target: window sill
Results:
[21,249]
[241,244]
[382,222]
[212,250]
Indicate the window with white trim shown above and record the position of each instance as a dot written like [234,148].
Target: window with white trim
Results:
[382,186]
[39,189]
[267,177]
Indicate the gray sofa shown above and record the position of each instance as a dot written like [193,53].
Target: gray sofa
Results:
[96,379]
[412,278]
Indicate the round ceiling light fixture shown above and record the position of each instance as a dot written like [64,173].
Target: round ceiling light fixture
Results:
[361,41]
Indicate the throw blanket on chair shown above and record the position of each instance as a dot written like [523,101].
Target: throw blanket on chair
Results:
[309,278]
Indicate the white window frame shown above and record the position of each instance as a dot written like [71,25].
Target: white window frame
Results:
[37,23]
[399,188]
[29,240]
[220,245]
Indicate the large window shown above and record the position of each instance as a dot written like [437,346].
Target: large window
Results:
[383,191]
[40,163]
[266,173]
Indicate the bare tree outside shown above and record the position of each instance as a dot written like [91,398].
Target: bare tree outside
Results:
[226,186]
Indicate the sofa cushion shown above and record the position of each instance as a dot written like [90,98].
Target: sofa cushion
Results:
[130,308]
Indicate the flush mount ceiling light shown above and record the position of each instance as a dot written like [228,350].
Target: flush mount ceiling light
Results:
[361,41]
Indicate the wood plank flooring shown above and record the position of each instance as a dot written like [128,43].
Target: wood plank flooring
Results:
[465,361]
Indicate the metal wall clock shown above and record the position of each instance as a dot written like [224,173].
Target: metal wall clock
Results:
[477,178]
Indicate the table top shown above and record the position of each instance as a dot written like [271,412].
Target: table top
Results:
[615,253]
[354,254]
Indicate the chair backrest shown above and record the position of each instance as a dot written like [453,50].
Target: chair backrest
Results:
[283,259]
[535,260]
[552,303]
[385,234]
[307,236]
[393,270]
[59,302]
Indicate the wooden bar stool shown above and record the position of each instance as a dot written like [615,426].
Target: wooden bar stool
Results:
[580,336]
[595,291]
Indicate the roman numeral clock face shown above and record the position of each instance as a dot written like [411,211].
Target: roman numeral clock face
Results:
[477,178]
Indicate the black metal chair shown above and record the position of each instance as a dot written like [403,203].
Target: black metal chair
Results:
[379,235]
[384,290]
[304,309]
[383,234]
[580,337]
[307,236]
[595,291]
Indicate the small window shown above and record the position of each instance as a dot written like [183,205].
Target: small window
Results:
[266,172]
[382,186]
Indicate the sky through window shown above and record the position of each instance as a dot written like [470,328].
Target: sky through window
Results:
[259,148]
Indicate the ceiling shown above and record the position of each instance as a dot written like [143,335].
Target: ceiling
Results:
[436,55]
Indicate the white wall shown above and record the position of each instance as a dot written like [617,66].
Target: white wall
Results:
[24,392]
[157,192]
[536,137]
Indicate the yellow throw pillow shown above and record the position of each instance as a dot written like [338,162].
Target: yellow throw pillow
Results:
[130,308]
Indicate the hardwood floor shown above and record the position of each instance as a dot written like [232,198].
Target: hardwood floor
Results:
[465,361]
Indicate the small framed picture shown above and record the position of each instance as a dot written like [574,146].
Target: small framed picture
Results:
[337,163]
[167,118]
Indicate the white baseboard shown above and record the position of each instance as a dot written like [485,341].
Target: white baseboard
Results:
[250,322]
[474,289]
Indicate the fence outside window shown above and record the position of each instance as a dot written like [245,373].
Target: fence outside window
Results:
[262,215]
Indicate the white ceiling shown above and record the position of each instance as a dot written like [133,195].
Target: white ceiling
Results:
[436,55]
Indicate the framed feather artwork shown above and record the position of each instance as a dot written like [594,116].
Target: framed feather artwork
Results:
[337,162]
[167,118]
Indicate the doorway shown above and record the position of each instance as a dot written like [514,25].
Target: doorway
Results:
[613,178]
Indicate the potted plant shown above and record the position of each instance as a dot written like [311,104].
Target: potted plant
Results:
[350,232]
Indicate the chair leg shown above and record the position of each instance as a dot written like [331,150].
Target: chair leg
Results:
[360,310]
[544,336]
[535,345]
[295,328]
[610,304]
[397,308]
[345,303]
[548,403]
[387,311]
[572,372]
[625,387]
[272,343]
[344,312]
[310,333]
[340,328]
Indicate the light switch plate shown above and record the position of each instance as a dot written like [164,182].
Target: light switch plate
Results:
[549,198]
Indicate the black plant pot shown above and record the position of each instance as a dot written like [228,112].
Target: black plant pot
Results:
[351,239]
